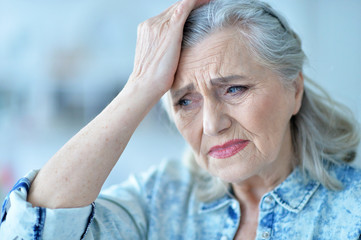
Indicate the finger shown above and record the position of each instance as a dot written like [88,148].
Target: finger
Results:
[184,8]
[170,10]
[200,3]
[192,4]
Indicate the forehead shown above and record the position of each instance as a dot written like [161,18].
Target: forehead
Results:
[214,49]
[220,54]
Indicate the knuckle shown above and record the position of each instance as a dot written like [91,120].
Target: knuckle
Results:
[140,27]
[144,24]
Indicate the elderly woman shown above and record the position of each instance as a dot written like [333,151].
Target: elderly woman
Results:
[269,157]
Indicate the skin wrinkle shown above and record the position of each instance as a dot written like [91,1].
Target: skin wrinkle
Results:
[212,115]
[260,115]
[87,155]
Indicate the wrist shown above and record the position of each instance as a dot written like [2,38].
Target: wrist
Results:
[142,90]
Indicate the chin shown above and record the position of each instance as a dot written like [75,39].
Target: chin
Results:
[231,174]
[229,170]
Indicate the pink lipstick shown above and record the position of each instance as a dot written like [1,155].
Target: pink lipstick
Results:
[228,149]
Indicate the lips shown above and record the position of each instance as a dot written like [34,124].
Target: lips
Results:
[228,149]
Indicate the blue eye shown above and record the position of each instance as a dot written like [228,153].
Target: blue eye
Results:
[184,102]
[236,89]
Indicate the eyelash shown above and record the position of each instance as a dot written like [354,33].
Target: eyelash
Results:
[241,89]
[181,102]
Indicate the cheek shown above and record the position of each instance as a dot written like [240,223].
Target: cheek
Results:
[191,129]
[268,118]
[264,115]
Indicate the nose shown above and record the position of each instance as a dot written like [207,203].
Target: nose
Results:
[215,120]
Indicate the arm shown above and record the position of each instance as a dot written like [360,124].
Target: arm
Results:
[81,166]
[79,169]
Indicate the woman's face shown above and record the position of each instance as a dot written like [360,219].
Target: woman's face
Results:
[233,112]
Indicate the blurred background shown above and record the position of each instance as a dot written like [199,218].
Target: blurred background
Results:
[62,62]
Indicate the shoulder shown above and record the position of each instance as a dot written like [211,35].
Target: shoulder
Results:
[350,178]
[173,169]
[345,202]
[169,174]
[155,200]
[170,170]
[170,178]
[338,212]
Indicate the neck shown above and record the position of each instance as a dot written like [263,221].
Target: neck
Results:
[250,191]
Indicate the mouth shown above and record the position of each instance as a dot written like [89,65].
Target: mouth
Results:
[228,149]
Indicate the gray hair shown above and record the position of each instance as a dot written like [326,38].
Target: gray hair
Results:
[324,132]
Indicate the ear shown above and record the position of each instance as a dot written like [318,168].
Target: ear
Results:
[299,87]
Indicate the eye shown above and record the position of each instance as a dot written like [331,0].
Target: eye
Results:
[184,102]
[189,101]
[236,89]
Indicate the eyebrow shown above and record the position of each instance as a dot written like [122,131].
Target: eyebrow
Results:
[180,92]
[214,82]
[227,79]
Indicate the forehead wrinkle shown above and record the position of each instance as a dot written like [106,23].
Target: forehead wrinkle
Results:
[200,63]
[202,80]
[198,71]
[204,61]
[212,50]
[192,80]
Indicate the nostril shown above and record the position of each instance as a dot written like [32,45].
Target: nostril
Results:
[216,123]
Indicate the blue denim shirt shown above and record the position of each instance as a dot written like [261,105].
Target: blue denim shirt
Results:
[162,204]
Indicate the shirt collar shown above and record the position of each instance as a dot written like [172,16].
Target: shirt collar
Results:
[295,191]
[216,204]
[292,194]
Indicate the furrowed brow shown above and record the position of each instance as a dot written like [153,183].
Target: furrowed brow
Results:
[176,94]
[227,79]
[180,92]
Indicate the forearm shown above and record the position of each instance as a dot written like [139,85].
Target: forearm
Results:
[74,176]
